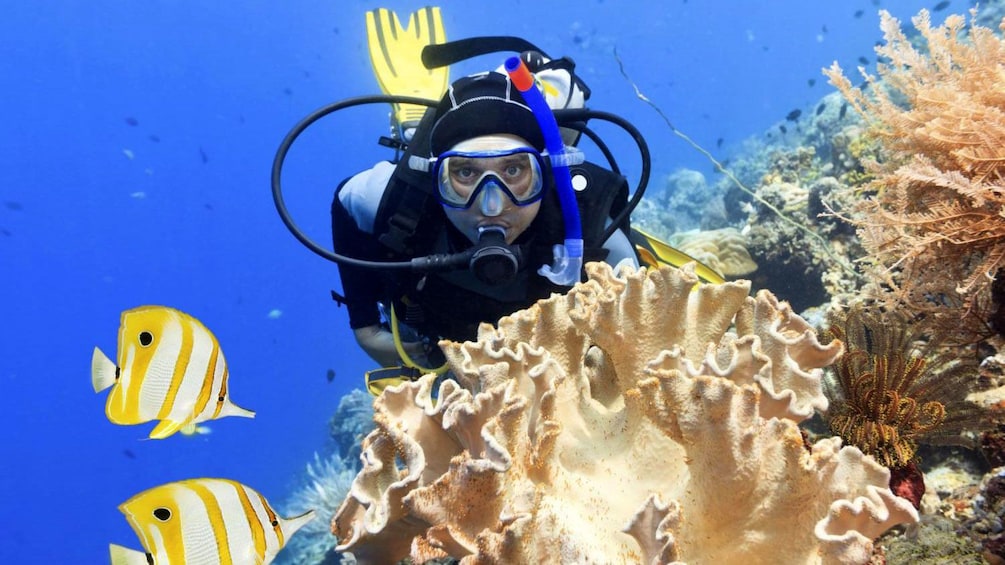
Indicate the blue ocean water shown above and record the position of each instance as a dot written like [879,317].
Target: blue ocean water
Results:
[135,153]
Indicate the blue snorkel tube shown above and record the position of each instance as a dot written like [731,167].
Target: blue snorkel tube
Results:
[568,258]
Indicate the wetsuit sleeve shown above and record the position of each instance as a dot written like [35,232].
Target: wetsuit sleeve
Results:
[362,288]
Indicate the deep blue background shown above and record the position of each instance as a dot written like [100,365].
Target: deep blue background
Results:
[188,221]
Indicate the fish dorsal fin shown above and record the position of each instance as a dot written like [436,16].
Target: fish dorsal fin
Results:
[103,371]
[125,556]
[166,428]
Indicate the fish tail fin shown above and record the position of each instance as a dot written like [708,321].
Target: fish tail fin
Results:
[231,409]
[291,525]
[125,556]
[103,371]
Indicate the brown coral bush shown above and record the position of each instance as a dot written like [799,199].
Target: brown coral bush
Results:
[933,220]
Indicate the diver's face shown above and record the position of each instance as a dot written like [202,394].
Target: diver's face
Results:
[512,218]
[492,206]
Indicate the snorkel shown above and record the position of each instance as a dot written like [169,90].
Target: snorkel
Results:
[568,258]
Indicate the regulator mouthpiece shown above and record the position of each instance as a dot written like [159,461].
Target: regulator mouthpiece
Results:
[493,261]
[567,263]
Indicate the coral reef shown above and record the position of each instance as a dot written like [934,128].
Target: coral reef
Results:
[791,263]
[686,201]
[324,486]
[936,543]
[724,250]
[934,224]
[987,524]
[352,421]
[326,481]
[622,422]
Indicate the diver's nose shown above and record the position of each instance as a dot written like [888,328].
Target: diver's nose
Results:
[491,201]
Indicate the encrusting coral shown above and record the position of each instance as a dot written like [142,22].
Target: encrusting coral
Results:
[623,422]
[724,250]
[935,219]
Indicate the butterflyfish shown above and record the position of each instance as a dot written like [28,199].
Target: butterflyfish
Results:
[204,521]
[170,368]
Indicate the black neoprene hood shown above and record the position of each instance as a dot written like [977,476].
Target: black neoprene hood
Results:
[483,104]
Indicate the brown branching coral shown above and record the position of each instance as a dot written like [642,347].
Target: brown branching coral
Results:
[935,222]
[891,390]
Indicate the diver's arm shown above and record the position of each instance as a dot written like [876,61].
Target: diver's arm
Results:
[378,343]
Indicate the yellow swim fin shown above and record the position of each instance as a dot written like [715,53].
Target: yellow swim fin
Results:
[653,251]
[396,57]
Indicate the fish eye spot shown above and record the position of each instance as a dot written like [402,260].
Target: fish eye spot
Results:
[146,338]
[221,399]
[162,514]
[275,523]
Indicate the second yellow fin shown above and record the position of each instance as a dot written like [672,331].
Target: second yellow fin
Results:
[396,57]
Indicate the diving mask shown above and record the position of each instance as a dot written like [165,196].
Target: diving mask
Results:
[462,175]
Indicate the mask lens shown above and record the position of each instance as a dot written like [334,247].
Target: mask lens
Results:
[461,176]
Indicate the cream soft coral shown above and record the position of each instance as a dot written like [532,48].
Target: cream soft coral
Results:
[624,422]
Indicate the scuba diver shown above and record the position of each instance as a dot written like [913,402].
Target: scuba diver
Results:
[488,180]
[488,206]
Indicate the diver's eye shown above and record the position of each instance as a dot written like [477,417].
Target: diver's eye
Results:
[146,338]
[162,514]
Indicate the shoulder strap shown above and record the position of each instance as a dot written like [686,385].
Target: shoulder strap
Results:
[409,201]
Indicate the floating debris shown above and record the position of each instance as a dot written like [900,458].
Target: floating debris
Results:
[858,13]
[718,143]
[811,82]
[274,314]
[863,60]
[794,115]
[331,375]
[154,138]
[843,111]
[783,129]
[821,108]
[138,195]
[13,205]
[940,6]
[129,154]
[203,156]
[129,453]
[132,121]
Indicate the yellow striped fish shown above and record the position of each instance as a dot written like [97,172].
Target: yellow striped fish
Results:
[204,521]
[170,369]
